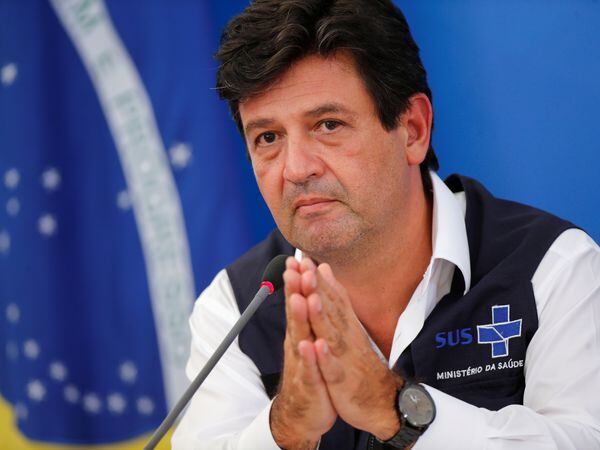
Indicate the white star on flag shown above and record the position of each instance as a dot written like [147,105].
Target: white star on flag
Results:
[13,206]
[128,372]
[9,73]
[21,411]
[4,241]
[116,403]
[92,403]
[145,406]
[71,393]
[47,224]
[31,349]
[36,390]
[12,178]
[181,155]
[58,371]
[51,179]
[13,313]
[124,200]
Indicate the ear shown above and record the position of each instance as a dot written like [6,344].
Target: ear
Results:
[417,120]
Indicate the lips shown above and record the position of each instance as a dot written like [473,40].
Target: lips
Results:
[312,204]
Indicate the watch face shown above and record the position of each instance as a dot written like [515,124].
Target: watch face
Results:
[417,406]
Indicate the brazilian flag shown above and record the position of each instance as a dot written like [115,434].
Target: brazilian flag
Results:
[124,188]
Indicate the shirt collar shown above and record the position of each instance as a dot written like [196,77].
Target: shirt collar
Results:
[449,232]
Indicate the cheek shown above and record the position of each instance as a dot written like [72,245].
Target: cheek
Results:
[269,180]
[376,177]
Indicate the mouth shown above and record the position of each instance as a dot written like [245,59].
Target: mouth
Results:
[313,205]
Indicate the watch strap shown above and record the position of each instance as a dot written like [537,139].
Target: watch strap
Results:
[407,434]
[405,437]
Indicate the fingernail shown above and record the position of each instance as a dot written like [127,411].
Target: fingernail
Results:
[325,348]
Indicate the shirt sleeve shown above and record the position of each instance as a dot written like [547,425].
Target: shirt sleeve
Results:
[231,409]
[561,405]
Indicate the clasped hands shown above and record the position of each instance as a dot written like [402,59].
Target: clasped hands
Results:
[329,368]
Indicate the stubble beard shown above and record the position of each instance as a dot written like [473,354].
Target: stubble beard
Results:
[334,237]
[336,241]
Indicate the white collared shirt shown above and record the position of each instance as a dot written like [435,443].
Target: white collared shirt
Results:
[561,405]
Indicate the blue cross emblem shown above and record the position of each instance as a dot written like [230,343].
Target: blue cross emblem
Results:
[500,331]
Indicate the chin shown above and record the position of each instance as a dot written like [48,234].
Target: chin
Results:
[326,244]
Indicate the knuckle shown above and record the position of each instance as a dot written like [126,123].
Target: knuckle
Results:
[337,344]
[339,318]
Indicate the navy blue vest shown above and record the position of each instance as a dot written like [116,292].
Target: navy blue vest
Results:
[471,346]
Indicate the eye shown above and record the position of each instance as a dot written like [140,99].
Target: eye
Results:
[330,125]
[266,138]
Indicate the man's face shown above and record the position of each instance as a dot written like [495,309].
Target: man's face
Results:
[331,175]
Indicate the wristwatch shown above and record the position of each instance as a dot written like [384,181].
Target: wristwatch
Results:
[416,410]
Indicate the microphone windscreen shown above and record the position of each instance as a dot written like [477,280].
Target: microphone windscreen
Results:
[274,271]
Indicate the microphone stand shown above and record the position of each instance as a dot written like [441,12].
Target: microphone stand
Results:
[266,289]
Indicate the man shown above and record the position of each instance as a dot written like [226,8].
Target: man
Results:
[415,312]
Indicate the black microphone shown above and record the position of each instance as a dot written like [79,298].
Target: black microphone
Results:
[272,280]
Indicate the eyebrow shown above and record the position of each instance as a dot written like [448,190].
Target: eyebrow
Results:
[258,123]
[326,108]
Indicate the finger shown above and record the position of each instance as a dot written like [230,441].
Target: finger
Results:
[326,274]
[325,326]
[308,282]
[330,367]
[298,326]
[309,370]
[292,263]
[307,264]
[291,281]
[335,307]
[332,287]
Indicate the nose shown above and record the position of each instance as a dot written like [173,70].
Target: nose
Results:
[302,159]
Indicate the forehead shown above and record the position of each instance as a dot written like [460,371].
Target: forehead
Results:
[309,83]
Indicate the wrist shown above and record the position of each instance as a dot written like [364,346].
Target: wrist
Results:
[388,421]
[286,433]
[388,426]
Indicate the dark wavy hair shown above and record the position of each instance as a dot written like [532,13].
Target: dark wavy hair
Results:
[259,46]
